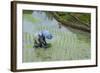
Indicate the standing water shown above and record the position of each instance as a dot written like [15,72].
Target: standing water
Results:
[66,44]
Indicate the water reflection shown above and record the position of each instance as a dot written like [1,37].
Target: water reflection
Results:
[67,43]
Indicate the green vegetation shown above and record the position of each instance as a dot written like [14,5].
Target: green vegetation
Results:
[85,18]
[27,11]
[79,21]
[28,16]
[70,44]
[68,47]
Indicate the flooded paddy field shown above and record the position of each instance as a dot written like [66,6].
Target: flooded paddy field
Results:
[66,44]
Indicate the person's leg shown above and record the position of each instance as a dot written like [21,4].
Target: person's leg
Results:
[36,44]
[42,42]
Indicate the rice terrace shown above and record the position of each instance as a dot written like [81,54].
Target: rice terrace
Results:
[65,36]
